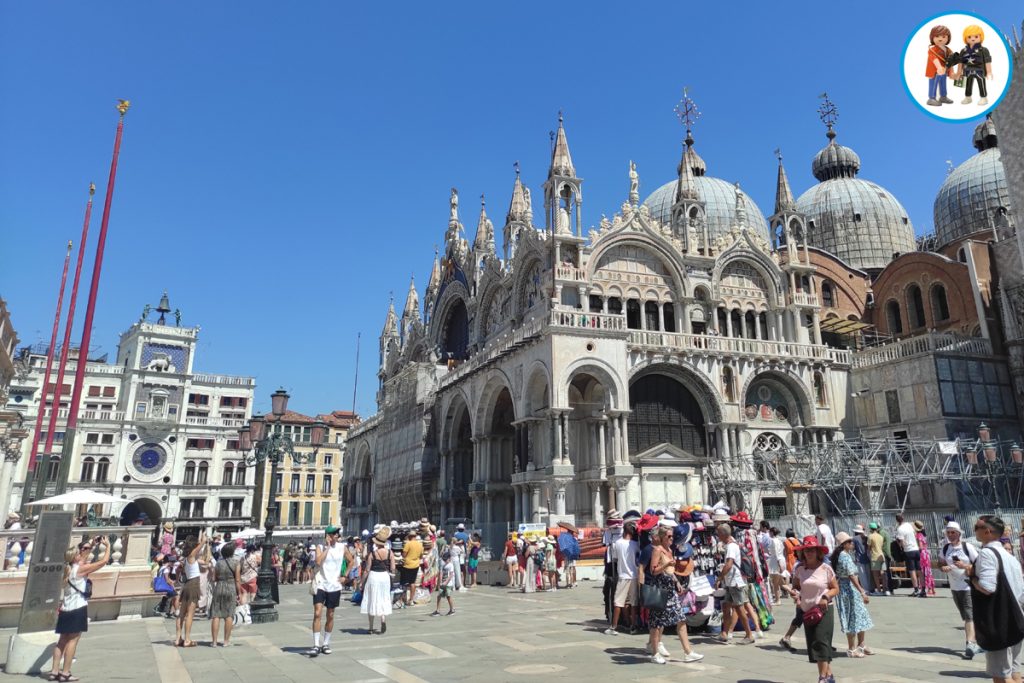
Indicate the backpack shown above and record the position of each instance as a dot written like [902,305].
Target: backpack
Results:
[569,546]
[972,553]
[896,550]
[747,565]
[538,557]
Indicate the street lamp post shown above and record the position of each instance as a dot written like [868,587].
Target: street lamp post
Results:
[263,444]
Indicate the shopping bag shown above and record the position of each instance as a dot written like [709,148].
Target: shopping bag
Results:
[242,615]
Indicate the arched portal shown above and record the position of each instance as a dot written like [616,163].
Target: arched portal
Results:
[455,334]
[146,509]
[461,475]
[499,445]
[665,411]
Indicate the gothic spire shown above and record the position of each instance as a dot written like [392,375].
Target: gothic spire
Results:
[391,321]
[412,301]
[783,195]
[561,160]
[517,208]
[435,275]
[484,241]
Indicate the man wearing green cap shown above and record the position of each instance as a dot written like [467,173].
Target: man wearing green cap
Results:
[326,589]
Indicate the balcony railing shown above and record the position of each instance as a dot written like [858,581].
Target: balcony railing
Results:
[567,272]
[495,348]
[699,343]
[582,320]
[98,415]
[223,379]
[803,299]
[925,343]
[214,421]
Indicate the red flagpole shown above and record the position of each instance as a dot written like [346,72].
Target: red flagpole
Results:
[62,365]
[49,367]
[83,349]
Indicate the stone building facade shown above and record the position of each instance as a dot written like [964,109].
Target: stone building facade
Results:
[152,430]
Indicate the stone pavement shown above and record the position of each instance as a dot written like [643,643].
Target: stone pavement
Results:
[497,635]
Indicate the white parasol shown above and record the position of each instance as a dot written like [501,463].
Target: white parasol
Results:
[78,497]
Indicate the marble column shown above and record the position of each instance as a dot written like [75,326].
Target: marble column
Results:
[816,327]
[612,498]
[602,454]
[616,441]
[620,498]
[535,502]
[643,491]
[563,445]
[596,511]
[560,497]
[556,439]
[625,439]
[517,503]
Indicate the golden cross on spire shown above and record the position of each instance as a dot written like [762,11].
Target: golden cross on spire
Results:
[687,111]
[828,113]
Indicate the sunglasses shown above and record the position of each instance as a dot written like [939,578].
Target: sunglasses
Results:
[980,527]
[82,549]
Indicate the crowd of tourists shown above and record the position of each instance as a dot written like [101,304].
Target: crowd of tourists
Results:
[704,568]
[696,568]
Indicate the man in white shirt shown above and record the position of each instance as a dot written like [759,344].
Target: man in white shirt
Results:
[1004,666]
[327,589]
[731,579]
[907,538]
[825,536]
[952,551]
[624,552]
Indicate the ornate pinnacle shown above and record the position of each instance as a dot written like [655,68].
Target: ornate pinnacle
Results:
[828,113]
[515,165]
[687,112]
[122,106]
[778,154]
[92,189]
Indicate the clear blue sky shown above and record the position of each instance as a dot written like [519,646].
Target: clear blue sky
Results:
[286,165]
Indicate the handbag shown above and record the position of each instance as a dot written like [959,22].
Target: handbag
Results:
[242,615]
[813,616]
[959,82]
[87,593]
[998,620]
[653,597]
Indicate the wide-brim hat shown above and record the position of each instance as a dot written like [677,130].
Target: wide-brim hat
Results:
[682,534]
[647,522]
[742,519]
[810,543]
[859,529]
[684,566]
[667,524]
[13,515]
[720,516]
[918,525]
[842,537]
[168,526]
[382,535]
[568,526]
[550,539]
[632,514]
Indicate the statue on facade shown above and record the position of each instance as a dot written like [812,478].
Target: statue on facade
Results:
[145,313]
[634,184]
[177,317]
[453,216]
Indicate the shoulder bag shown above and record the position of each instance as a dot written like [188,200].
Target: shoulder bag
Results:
[998,620]
[653,597]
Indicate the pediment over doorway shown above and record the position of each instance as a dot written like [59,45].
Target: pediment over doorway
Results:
[667,455]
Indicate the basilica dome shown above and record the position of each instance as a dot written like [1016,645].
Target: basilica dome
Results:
[973,193]
[854,219]
[719,197]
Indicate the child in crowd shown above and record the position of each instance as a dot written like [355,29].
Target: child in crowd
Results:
[446,586]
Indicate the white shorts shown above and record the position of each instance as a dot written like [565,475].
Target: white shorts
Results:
[626,593]
[511,559]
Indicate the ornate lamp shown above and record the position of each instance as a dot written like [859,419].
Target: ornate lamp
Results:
[984,433]
[257,425]
[972,455]
[990,451]
[1017,453]
[279,402]
[318,433]
[244,438]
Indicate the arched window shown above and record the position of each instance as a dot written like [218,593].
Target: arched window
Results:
[632,314]
[728,385]
[820,395]
[51,475]
[961,255]
[204,468]
[737,323]
[651,315]
[915,307]
[229,474]
[762,325]
[940,306]
[828,297]
[88,469]
[240,474]
[750,325]
[102,469]
[615,305]
[190,473]
[892,317]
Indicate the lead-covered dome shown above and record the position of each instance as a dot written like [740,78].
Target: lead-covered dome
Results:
[856,220]
[974,192]
[719,197]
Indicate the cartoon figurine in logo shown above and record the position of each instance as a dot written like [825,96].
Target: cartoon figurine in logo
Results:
[938,59]
[974,64]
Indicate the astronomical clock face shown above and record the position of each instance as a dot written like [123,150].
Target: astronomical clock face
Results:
[149,463]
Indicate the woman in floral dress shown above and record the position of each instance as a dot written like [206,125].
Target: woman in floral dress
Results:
[661,573]
[854,619]
[926,559]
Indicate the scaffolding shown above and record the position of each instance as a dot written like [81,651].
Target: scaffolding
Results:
[876,475]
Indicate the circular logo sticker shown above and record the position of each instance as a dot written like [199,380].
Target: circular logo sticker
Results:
[956,66]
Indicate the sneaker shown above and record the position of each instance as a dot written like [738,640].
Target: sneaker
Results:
[325,650]
[450,612]
[966,100]
[758,635]
[945,100]
[784,642]
[611,632]
[692,657]
[983,101]
[383,627]
[435,613]
[658,659]
[313,651]
[748,641]
[932,102]
[662,650]
[889,593]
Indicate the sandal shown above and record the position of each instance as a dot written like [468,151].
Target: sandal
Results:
[179,642]
[190,643]
[866,650]
[856,653]
[67,677]
[54,675]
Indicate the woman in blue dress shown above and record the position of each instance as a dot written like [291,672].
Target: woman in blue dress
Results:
[852,599]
